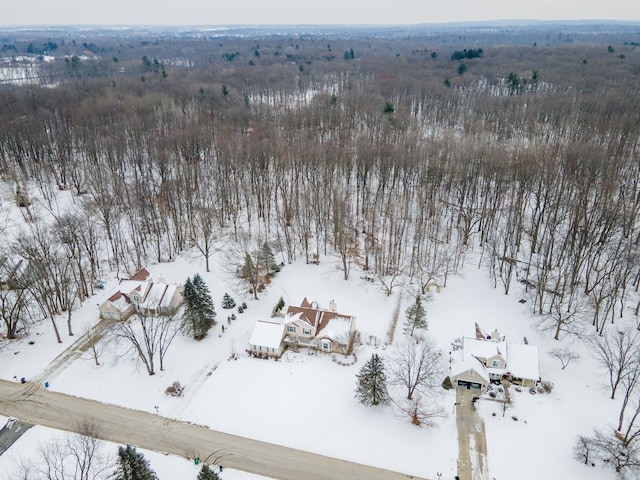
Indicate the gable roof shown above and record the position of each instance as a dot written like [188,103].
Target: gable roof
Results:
[267,333]
[484,348]
[141,275]
[316,317]
[469,362]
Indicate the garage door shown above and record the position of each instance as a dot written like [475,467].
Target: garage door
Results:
[469,385]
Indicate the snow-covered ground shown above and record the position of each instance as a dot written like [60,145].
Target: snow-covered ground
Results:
[307,401]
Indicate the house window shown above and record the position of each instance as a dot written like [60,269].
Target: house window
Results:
[326,345]
[306,331]
[495,363]
[291,328]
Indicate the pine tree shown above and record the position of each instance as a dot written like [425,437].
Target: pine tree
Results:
[267,259]
[250,274]
[199,315]
[133,466]
[207,474]
[416,317]
[228,301]
[371,387]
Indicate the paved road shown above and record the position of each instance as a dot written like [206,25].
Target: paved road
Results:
[35,405]
[472,441]
[11,432]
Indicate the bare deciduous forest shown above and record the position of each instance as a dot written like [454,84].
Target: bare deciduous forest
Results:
[398,151]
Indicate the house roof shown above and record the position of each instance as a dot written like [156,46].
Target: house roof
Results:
[154,296]
[315,316]
[469,362]
[119,301]
[267,333]
[523,361]
[169,293]
[484,348]
[338,328]
[141,275]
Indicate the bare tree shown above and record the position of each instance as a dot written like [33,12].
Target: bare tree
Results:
[148,337]
[420,413]
[565,356]
[417,366]
[14,308]
[618,353]
[75,457]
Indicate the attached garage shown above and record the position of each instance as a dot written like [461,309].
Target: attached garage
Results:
[470,374]
[469,385]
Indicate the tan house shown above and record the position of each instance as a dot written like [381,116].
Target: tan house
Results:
[470,373]
[324,329]
[141,294]
[491,358]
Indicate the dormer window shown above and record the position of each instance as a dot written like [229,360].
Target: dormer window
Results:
[495,363]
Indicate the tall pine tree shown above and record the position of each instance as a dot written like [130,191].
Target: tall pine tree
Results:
[200,314]
[371,388]
[133,466]
[207,474]
[416,317]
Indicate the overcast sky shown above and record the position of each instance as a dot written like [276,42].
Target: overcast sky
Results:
[220,12]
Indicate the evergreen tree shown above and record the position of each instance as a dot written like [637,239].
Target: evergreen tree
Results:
[416,317]
[133,466]
[268,259]
[371,387]
[228,302]
[207,474]
[250,273]
[199,315]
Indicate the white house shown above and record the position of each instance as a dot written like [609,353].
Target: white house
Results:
[266,338]
[491,358]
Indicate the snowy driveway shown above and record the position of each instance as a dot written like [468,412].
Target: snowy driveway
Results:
[472,441]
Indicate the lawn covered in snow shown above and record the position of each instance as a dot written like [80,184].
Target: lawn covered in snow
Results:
[307,401]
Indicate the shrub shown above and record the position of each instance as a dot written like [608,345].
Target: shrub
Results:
[175,389]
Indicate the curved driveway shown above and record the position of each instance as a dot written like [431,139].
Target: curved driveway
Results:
[35,405]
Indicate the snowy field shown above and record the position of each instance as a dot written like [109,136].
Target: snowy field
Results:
[307,401]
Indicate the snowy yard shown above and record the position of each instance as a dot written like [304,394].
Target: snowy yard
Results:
[307,401]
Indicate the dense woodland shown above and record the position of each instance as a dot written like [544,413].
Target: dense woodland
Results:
[395,153]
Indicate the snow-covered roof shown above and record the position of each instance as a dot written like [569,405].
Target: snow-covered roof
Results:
[523,361]
[338,328]
[290,318]
[484,348]
[168,296]
[119,301]
[267,333]
[128,286]
[469,362]
[154,296]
